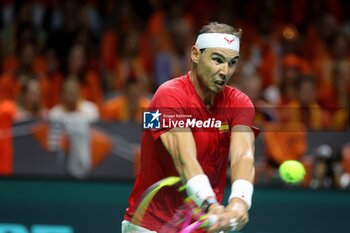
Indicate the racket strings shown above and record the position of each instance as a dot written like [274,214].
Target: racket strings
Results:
[187,218]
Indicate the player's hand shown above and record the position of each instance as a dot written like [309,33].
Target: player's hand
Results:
[214,213]
[235,216]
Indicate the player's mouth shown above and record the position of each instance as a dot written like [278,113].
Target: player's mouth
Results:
[220,83]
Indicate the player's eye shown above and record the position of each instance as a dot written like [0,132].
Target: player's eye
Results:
[232,62]
[218,60]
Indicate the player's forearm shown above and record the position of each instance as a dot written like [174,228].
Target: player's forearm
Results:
[187,166]
[182,148]
[242,178]
[243,168]
[242,154]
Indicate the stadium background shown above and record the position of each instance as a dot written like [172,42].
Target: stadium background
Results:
[123,50]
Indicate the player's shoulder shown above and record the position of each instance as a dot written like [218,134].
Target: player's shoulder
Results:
[175,85]
[236,96]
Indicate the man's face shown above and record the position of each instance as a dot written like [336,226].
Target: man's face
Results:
[71,95]
[215,67]
[306,94]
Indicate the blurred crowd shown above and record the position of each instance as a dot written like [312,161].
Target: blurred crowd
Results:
[76,62]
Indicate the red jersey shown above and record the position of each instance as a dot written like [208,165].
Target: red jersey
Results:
[179,97]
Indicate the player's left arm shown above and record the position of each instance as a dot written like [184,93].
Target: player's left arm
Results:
[242,173]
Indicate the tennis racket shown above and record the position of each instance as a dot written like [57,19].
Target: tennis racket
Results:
[191,210]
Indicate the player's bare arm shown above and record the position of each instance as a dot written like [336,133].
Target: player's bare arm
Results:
[242,176]
[242,153]
[181,146]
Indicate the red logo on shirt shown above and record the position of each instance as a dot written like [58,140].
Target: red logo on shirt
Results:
[228,40]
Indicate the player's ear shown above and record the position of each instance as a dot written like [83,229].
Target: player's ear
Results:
[195,53]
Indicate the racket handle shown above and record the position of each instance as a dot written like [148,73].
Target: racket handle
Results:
[194,226]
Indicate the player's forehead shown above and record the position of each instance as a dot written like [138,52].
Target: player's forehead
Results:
[226,53]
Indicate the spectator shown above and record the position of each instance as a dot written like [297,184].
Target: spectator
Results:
[173,61]
[29,66]
[128,106]
[78,69]
[129,62]
[11,82]
[304,108]
[292,67]
[29,102]
[52,84]
[251,84]
[341,92]
[75,115]
[326,169]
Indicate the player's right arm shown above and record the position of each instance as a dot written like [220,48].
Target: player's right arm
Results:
[182,148]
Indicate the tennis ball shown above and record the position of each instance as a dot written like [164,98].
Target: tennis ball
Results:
[292,171]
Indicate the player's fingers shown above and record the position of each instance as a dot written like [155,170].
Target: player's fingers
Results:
[237,225]
[217,226]
[213,223]
[216,210]
[226,219]
[234,224]
[222,223]
[212,219]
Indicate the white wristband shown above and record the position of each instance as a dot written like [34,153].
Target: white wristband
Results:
[242,189]
[199,189]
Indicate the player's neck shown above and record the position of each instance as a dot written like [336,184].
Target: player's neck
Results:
[202,91]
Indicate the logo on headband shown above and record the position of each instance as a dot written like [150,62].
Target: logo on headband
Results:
[217,40]
[228,40]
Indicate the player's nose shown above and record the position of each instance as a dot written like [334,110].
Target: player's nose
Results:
[224,70]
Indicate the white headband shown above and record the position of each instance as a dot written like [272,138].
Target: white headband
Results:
[217,40]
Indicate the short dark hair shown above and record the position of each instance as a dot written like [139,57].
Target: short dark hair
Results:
[215,27]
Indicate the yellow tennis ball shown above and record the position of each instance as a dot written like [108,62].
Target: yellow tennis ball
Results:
[292,171]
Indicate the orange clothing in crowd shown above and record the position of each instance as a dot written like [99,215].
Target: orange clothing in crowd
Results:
[50,89]
[300,63]
[158,30]
[9,87]
[346,158]
[109,42]
[266,69]
[314,118]
[7,114]
[285,141]
[317,53]
[91,89]
[118,109]
[101,144]
[9,64]
[50,85]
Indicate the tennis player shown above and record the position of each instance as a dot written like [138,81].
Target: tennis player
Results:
[198,152]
